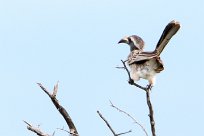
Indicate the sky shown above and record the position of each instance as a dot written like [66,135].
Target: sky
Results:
[75,43]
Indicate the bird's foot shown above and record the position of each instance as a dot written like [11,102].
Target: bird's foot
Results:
[149,87]
[131,81]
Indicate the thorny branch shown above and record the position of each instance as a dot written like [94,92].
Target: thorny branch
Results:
[135,121]
[109,126]
[147,90]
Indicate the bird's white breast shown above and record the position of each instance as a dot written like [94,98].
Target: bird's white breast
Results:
[142,71]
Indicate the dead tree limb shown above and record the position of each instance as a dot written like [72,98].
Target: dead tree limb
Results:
[147,90]
[63,112]
[109,126]
[35,129]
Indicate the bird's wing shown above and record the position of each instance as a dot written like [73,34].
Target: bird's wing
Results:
[139,57]
[167,34]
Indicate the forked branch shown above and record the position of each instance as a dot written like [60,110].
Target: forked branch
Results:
[147,90]
[62,110]
[135,121]
[109,126]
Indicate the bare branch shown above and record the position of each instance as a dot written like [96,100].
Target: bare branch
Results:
[147,90]
[135,121]
[131,81]
[63,112]
[109,126]
[35,129]
[107,123]
[151,112]
[44,89]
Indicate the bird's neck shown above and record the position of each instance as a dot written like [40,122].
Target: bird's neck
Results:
[132,47]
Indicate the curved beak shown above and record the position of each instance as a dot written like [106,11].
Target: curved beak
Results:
[124,40]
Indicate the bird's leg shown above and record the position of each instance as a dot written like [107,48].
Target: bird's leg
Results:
[151,83]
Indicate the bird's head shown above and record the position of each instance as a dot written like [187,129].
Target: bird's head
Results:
[134,41]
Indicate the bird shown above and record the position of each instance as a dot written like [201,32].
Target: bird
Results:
[147,64]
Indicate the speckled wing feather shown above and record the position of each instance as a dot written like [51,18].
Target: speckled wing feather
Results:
[138,56]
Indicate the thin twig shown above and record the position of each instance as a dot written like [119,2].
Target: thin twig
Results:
[66,131]
[135,121]
[109,126]
[35,129]
[120,67]
[62,110]
[124,133]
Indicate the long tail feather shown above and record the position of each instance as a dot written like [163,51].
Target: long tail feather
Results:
[167,34]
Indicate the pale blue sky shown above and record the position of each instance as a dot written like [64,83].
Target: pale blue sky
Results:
[75,42]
